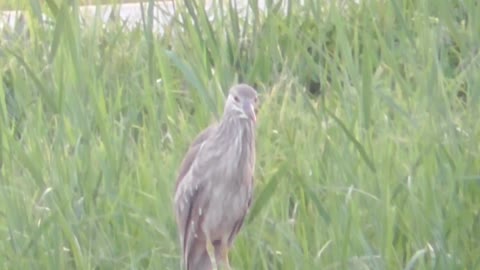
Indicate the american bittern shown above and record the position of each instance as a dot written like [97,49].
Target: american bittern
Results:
[215,183]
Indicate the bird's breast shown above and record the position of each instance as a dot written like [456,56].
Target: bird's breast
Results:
[230,155]
[228,164]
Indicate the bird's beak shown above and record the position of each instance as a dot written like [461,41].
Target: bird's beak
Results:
[249,110]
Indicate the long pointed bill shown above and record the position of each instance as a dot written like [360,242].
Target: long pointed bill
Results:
[249,110]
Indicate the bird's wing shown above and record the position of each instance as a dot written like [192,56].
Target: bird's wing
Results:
[239,223]
[187,199]
[192,153]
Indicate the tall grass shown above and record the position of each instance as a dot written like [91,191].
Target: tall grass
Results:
[368,134]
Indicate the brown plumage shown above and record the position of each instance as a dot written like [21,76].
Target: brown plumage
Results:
[215,183]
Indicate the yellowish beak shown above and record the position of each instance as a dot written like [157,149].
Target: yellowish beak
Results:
[249,110]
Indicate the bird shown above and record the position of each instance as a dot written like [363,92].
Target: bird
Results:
[214,187]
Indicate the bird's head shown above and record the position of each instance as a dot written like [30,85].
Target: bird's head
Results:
[242,102]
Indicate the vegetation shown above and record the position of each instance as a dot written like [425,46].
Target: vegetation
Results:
[368,153]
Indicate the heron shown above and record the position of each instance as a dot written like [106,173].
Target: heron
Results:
[214,186]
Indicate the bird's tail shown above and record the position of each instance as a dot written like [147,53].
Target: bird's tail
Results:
[196,256]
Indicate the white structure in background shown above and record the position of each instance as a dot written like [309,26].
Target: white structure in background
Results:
[131,13]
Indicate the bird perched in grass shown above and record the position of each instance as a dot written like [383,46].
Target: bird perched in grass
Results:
[215,182]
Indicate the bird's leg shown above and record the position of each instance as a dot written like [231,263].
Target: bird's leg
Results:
[225,257]
[221,255]
[211,253]
[226,263]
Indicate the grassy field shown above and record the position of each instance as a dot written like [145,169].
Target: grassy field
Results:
[368,153]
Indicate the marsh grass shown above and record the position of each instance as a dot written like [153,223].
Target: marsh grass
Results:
[368,135]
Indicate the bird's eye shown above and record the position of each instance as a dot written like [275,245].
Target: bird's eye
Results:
[236,99]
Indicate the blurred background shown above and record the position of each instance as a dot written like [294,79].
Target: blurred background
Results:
[368,153]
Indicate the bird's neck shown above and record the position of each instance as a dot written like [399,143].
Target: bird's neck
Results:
[237,135]
[234,128]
